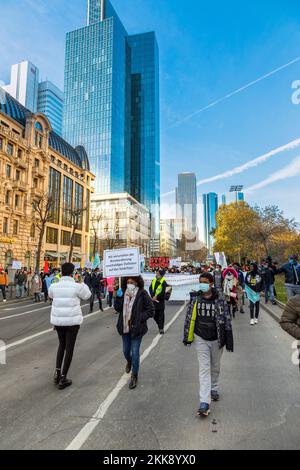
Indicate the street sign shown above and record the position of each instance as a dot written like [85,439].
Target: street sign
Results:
[122,263]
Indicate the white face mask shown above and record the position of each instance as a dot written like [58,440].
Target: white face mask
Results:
[229,277]
[131,287]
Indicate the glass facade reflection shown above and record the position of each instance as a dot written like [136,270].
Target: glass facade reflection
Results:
[210,207]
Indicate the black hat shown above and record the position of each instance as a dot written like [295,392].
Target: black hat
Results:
[162,272]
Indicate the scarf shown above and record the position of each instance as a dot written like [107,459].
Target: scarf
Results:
[229,284]
[129,300]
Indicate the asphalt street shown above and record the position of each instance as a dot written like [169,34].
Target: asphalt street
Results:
[259,409]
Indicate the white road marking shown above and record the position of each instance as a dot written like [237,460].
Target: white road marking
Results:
[29,311]
[89,427]
[41,333]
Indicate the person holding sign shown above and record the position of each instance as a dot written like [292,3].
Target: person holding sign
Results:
[157,293]
[134,307]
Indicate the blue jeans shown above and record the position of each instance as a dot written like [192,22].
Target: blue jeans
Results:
[269,293]
[20,291]
[131,350]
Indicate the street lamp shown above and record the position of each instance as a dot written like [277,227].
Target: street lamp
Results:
[236,189]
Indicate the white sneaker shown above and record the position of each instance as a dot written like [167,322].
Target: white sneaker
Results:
[252,322]
[4,300]
[256,321]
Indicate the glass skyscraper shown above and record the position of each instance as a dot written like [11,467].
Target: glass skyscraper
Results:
[24,84]
[51,103]
[112,104]
[186,201]
[210,209]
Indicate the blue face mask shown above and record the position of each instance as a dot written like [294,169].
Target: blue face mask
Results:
[204,288]
[293,261]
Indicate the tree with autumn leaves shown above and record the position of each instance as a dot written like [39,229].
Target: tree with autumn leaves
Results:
[245,232]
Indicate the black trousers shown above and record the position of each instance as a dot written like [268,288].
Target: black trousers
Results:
[159,316]
[95,293]
[2,288]
[67,336]
[255,307]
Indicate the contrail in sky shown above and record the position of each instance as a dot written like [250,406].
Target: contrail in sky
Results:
[246,166]
[233,93]
[291,170]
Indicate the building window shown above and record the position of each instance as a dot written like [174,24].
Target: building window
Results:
[38,140]
[18,175]
[36,163]
[77,240]
[17,201]
[15,227]
[8,258]
[79,203]
[67,203]
[1,143]
[20,153]
[10,149]
[39,127]
[7,198]
[88,210]
[32,231]
[54,191]
[36,183]
[5,225]
[65,238]
[52,236]
[8,171]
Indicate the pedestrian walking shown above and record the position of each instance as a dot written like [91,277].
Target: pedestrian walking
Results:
[218,278]
[110,282]
[134,307]
[36,287]
[290,320]
[157,293]
[292,276]
[254,286]
[208,325]
[269,281]
[29,282]
[230,283]
[3,283]
[94,282]
[20,279]
[66,317]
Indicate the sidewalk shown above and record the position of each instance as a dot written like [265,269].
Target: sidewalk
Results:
[275,311]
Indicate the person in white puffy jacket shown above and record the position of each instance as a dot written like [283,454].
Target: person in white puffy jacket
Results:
[66,317]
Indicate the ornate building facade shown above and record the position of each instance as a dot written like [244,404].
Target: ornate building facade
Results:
[36,163]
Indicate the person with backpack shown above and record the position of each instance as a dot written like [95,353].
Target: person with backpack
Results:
[135,308]
[66,317]
[254,286]
[208,325]
[157,293]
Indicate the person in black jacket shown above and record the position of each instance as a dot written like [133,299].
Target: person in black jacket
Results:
[157,292]
[269,281]
[255,285]
[94,282]
[134,307]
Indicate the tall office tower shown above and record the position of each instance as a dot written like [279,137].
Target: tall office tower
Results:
[241,197]
[51,103]
[186,203]
[24,84]
[112,104]
[143,165]
[210,209]
[224,199]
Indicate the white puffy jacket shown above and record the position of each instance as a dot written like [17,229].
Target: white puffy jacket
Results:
[66,295]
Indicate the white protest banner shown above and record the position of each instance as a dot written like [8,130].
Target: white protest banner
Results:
[182,284]
[221,259]
[17,265]
[77,265]
[122,262]
[175,263]
[88,265]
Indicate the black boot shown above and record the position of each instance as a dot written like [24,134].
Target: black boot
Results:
[128,367]
[56,377]
[133,382]
[64,383]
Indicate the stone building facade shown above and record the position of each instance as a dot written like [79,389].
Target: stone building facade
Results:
[36,163]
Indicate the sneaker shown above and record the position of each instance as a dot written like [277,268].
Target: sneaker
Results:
[215,396]
[56,377]
[133,382]
[252,322]
[204,410]
[161,332]
[64,383]
[256,321]
[4,300]
[242,311]
[128,368]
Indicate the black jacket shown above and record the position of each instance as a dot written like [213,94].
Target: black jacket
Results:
[142,310]
[269,277]
[289,272]
[255,281]
[93,281]
[161,297]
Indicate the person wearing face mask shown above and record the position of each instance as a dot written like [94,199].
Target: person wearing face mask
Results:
[218,278]
[292,276]
[254,286]
[134,307]
[230,283]
[208,325]
[157,292]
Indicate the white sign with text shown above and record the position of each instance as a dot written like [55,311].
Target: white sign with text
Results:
[122,263]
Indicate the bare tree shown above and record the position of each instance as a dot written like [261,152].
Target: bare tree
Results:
[95,222]
[75,217]
[42,207]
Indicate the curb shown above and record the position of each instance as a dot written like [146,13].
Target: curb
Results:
[271,313]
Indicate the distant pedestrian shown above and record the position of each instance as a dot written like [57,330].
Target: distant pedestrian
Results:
[110,282]
[254,287]
[20,280]
[292,276]
[230,284]
[36,287]
[3,283]
[66,316]
[157,293]
[208,320]
[218,278]
[134,307]
[269,281]
[94,282]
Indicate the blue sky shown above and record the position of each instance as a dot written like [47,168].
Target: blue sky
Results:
[207,50]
